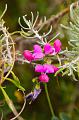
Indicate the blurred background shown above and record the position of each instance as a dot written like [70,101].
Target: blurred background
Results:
[65,97]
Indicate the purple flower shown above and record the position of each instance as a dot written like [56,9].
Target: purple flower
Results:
[48,68]
[33,95]
[37,49]
[57,46]
[36,93]
[39,68]
[44,78]
[27,55]
[38,55]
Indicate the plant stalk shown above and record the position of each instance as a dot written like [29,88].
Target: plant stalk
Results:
[48,99]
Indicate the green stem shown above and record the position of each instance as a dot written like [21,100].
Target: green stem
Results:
[49,102]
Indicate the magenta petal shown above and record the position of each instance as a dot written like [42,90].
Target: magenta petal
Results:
[27,55]
[37,48]
[48,49]
[57,45]
[38,55]
[48,68]
[44,78]
[39,68]
[55,68]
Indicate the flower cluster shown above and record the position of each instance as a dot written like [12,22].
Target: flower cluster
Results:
[39,53]
[36,55]
[44,70]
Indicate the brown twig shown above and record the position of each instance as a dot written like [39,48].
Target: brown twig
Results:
[54,19]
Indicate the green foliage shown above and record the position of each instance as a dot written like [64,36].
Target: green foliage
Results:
[55,118]
[73,29]
[67,94]
[64,116]
[15,81]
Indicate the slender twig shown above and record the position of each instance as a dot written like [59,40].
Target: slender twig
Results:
[21,109]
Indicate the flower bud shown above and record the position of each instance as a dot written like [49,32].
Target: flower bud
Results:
[44,78]
[57,46]
[27,55]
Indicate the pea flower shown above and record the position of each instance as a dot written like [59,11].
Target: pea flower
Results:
[48,49]
[39,68]
[37,52]
[46,68]
[37,56]
[37,48]
[44,78]
[34,94]
[57,46]
[28,55]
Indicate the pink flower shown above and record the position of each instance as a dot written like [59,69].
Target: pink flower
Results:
[37,52]
[44,78]
[55,68]
[37,49]
[48,68]
[27,55]
[48,49]
[57,46]
[39,68]
[38,55]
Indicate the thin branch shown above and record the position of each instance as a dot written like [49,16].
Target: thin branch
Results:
[54,19]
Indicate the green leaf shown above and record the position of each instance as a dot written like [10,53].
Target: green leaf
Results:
[5,94]
[15,77]
[16,83]
[64,116]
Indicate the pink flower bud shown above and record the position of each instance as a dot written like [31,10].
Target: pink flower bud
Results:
[57,46]
[43,78]
[27,55]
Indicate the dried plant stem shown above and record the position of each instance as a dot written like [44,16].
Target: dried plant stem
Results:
[18,115]
[11,57]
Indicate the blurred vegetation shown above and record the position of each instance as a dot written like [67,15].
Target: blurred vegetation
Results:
[65,96]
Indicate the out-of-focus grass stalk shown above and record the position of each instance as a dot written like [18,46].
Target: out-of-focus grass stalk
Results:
[10,104]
